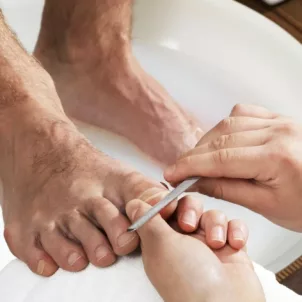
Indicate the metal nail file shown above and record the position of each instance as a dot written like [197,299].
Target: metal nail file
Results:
[181,188]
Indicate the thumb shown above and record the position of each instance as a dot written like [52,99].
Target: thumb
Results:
[155,228]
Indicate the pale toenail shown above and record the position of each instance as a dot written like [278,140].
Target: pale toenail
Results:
[101,252]
[40,268]
[73,258]
[189,218]
[125,238]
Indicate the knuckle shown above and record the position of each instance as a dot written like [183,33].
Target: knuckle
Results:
[238,109]
[221,142]
[281,153]
[216,191]
[288,129]
[226,124]
[221,156]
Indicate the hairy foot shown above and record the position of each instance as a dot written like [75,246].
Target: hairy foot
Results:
[108,88]
[61,196]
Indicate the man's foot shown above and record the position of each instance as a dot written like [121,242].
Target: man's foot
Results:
[61,196]
[100,82]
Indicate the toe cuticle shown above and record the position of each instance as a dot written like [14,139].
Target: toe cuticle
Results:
[73,258]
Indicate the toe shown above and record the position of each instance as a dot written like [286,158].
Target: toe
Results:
[189,212]
[28,249]
[237,234]
[214,223]
[66,253]
[94,242]
[154,195]
[115,224]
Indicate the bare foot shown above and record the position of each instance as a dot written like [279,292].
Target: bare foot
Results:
[59,192]
[100,82]
[63,199]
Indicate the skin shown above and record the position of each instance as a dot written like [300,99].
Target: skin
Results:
[86,48]
[252,158]
[184,268]
[63,200]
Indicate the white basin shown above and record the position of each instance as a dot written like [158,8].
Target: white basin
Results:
[210,55]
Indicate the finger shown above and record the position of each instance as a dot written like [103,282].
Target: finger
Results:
[153,195]
[246,163]
[236,124]
[237,234]
[238,191]
[215,225]
[155,229]
[234,140]
[189,211]
[252,111]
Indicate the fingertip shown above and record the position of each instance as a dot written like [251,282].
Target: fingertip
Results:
[189,212]
[169,173]
[237,234]
[133,207]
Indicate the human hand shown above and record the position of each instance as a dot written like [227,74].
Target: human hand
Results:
[252,158]
[183,268]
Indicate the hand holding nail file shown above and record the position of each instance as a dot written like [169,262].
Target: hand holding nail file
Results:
[181,188]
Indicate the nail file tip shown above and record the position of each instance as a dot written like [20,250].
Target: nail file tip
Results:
[129,230]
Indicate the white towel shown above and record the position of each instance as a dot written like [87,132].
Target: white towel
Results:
[125,281]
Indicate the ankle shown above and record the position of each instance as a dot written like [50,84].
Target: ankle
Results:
[85,31]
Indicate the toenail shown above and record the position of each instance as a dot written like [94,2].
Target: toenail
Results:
[101,252]
[40,268]
[125,239]
[73,258]
[189,218]
[217,234]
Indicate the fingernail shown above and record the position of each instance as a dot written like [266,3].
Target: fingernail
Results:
[125,239]
[101,252]
[189,218]
[237,235]
[170,170]
[73,258]
[41,266]
[217,234]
